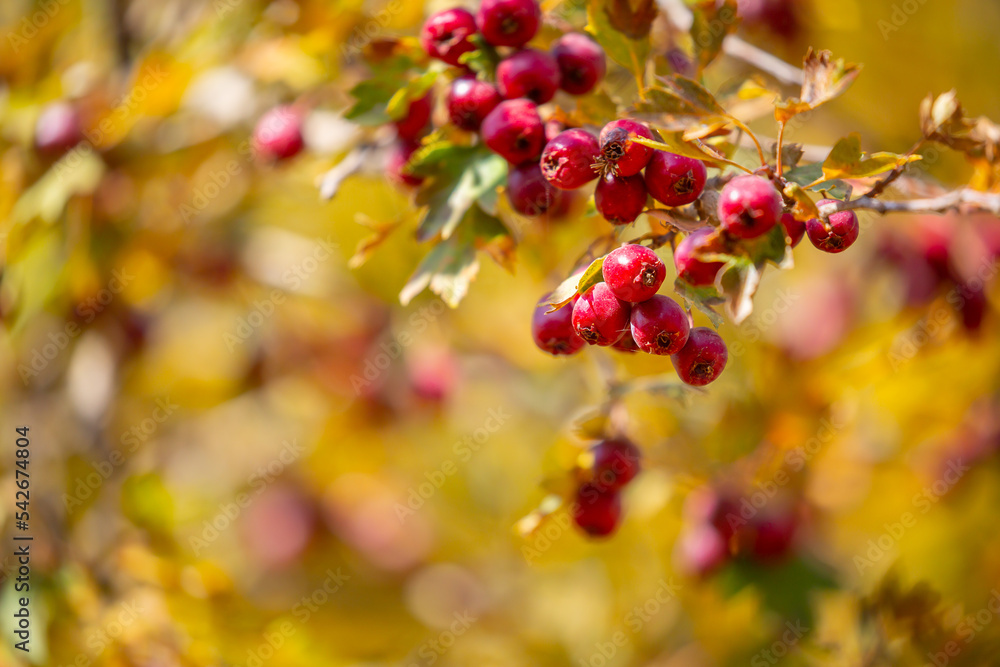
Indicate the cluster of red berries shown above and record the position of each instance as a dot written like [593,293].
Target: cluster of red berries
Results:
[612,464]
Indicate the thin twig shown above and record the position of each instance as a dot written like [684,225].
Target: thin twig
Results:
[965,200]
[880,187]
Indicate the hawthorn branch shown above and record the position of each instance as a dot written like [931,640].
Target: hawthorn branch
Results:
[964,200]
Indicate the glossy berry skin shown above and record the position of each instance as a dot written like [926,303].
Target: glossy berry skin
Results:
[553,332]
[599,317]
[581,62]
[410,126]
[278,134]
[469,101]
[508,22]
[843,232]
[620,199]
[702,359]
[567,160]
[795,229]
[528,73]
[445,35]
[633,272]
[675,180]
[660,326]
[616,463]
[397,157]
[597,512]
[749,206]
[690,268]
[514,131]
[58,129]
[623,156]
[528,191]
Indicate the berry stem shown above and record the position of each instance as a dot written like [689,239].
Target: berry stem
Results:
[756,142]
[781,138]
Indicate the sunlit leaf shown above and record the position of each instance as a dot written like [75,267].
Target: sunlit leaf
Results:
[846,160]
[823,80]
[576,284]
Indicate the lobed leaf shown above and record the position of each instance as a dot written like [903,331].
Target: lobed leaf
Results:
[823,80]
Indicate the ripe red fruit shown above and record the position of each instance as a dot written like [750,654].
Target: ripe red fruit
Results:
[841,235]
[508,22]
[469,101]
[660,326]
[278,134]
[621,155]
[595,511]
[528,73]
[702,359]
[397,157]
[410,126]
[626,344]
[445,35]
[616,463]
[795,229]
[58,129]
[568,159]
[528,191]
[690,268]
[749,206]
[553,332]
[633,272]
[700,550]
[514,131]
[581,62]
[773,536]
[972,304]
[599,317]
[620,199]
[675,180]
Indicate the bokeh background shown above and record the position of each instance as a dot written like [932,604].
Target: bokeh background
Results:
[244,451]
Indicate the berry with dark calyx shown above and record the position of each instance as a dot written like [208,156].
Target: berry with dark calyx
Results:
[469,101]
[619,154]
[396,159]
[690,268]
[278,134]
[528,73]
[675,180]
[581,62]
[840,236]
[633,272]
[749,206]
[660,326]
[626,344]
[445,35]
[528,191]
[795,229]
[417,115]
[702,359]
[616,463]
[620,199]
[514,131]
[568,159]
[553,332]
[508,22]
[599,317]
[597,512]
[58,129]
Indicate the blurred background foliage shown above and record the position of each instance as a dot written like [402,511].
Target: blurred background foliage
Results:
[245,452]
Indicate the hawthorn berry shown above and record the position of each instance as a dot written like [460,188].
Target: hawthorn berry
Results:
[842,233]
[552,128]
[58,129]
[278,134]
[528,73]
[702,359]
[795,229]
[599,317]
[445,35]
[528,191]
[514,131]
[675,180]
[616,463]
[597,512]
[773,536]
[553,332]
[398,156]
[633,272]
[660,326]
[619,154]
[700,550]
[749,206]
[690,268]
[972,304]
[581,62]
[508,22]
[620,199]
[626,343]
[568,159]
[417,115]
[469,101]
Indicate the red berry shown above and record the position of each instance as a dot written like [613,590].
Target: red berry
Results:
[508,22]
[553,332]
[528,73]
[700,550]
[514,131]
[595,511]
[972,303]
[841,235]
[446,34]
[692,270]
[702,359]
[623,156]
[399,154]
[633,272]
[58,129]
[581,62]
[278,134]
[626,344]
[469,101]
[552,128]
[749,206]
[568,159]
[773,536]
[620,199]
[528,191]
[410,126]
[599,317]
[795,229]
[616,463]
[660,326]
[675,180]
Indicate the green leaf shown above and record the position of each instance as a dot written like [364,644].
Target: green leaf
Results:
[78,173]
[711,25]
[629,52]
[770,247]
[702,298]
[448,269]
[465,175]
[738,283]
[576,284]
[398,105]
[823,80]
[846,160]
[483,60]
[785,588]
[805,174]
[390,78]
[673,142]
